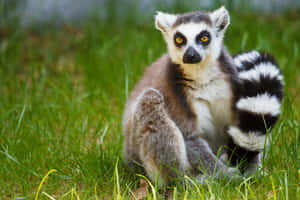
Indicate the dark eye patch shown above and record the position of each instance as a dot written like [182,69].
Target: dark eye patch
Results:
[203,38]
[179,39]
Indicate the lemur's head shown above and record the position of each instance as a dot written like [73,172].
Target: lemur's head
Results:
[193,37]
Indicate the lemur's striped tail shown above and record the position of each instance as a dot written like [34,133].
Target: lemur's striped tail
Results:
[259,100]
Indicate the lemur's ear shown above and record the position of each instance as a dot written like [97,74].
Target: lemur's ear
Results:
[220,18]
[163,21]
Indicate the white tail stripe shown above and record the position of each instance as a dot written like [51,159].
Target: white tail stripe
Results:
[252,141]
[260,104]
[264,69]
[250,56]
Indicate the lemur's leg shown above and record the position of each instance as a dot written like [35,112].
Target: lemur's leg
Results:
[258,105]
[204,160]
[162,148]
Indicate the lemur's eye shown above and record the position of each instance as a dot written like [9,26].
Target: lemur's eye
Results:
[203,38]
[179,39]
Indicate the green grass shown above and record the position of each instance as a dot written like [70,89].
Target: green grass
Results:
[62,97]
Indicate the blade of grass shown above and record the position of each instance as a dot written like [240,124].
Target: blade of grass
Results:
[273,188]
[152,187]
[42,182]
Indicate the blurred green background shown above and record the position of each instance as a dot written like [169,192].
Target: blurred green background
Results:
[66,69]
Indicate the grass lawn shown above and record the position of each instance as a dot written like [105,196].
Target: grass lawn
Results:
[62,98]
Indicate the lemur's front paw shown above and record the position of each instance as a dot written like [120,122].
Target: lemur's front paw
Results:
[201,179]
[224,158]
[233,173]
[230,173]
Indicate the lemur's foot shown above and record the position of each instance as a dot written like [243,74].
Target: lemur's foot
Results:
[201,179]
[231,173]
[224,158]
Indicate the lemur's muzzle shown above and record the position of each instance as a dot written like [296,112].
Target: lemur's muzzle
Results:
[191,56]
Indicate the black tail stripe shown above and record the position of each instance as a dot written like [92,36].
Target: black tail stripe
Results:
[240,156]
[250,121]
[266,84]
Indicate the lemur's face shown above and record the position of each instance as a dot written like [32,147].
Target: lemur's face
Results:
[193,38]
[191,43]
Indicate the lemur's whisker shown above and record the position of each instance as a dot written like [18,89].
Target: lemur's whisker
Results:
[185,79]
[185,85]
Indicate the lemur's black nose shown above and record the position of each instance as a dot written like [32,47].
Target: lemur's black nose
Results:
[191,56]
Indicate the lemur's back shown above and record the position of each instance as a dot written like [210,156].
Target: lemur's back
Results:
[152,77]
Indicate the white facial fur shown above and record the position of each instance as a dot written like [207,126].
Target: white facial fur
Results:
[220,21]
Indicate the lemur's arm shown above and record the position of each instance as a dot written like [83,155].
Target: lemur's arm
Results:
[203,159]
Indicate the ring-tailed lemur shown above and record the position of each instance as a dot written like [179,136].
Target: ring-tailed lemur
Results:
[197,99]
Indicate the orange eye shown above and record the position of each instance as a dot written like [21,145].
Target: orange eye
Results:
[204,38]
[179,40]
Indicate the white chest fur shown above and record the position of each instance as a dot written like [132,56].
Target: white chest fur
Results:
[211,102]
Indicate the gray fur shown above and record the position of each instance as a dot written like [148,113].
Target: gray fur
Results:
[195,17]
[159,142]
[199,151]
